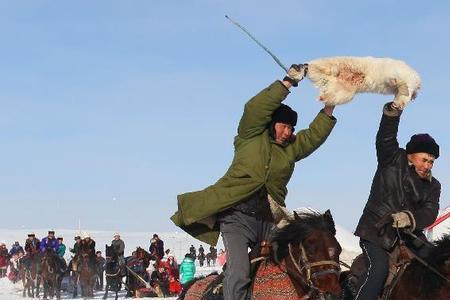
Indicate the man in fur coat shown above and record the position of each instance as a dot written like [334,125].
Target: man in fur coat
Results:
[404,195]
[266,150]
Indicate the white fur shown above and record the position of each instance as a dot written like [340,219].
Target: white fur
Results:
[340,78]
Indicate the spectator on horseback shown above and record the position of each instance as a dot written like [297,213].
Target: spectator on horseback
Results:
[404,195]
[4,259]
[49,242]
[32,245]
[87,247]
[119,248]
[61,247]
[16,249]
[187,270]
[100,263]
[201,255]
[265,152]
[76,245]
[193,252]
[156,246]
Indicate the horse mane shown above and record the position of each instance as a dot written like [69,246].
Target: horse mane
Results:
[297,230]
[436,258]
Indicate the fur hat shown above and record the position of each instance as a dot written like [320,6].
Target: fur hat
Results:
[285,114]
[422,142]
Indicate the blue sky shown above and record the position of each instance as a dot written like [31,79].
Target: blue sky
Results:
[109,109]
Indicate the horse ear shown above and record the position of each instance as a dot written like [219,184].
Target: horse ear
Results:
[330,221]
[296,216]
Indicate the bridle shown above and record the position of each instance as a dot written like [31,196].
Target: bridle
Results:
[112,259]
[304,267]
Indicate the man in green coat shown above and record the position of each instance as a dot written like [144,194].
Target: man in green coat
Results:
[265,154]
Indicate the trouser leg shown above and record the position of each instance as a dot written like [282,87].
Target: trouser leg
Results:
[236,281]
[377,261]
[239,232]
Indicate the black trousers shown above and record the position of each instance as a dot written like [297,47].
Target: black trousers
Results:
[377,261]
[99,280]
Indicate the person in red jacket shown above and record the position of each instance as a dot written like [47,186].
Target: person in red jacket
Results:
[4,259]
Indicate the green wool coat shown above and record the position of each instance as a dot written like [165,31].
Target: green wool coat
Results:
[258,162]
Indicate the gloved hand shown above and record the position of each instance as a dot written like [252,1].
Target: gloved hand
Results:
[296,73]
[401,220]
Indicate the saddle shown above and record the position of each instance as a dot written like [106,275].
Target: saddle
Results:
[211,286]
[399,259]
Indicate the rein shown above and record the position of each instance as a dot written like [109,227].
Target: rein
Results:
[419,259]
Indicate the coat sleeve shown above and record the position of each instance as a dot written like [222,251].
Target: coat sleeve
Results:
[122,248]
[258,111]
[308,140]
[386,141]
[42,245]
[428,211]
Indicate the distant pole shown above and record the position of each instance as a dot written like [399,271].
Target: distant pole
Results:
[79,225]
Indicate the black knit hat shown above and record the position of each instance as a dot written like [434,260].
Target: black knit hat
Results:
[422,142]
[285,114]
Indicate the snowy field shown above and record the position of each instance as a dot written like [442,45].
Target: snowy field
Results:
[177,242]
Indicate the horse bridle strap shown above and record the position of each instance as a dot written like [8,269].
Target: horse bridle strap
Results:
[308,267]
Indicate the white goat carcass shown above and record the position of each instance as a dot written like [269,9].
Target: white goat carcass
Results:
[340,78]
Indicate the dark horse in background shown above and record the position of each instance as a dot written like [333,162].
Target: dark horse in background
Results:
[303,263]
[51,274]
[28,270]
[113,272]
[418,281]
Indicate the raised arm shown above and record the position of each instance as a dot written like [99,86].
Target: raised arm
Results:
[308,140]
[386,141]
[258,111]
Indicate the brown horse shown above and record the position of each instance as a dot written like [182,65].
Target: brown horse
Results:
[86,274]
[304,263]
[146,257]
[51,275]
[420,282]
[28,266]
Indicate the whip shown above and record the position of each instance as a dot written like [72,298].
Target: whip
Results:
[259,44]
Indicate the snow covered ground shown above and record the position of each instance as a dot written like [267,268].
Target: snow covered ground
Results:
[177,242]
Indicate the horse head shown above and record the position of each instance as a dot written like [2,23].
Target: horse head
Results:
[110,253]
[307,245]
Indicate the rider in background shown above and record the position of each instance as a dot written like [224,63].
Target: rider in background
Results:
[16,248]
[119,248]
[87,246]
[49,242]
[61,247]
[156,246]
[404,195]
[32,248]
